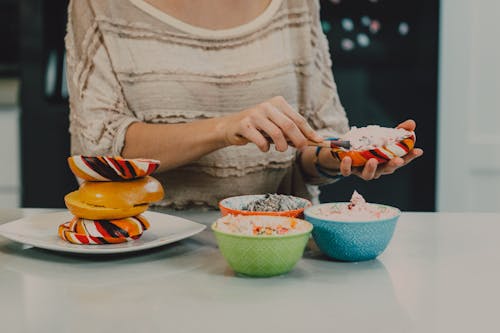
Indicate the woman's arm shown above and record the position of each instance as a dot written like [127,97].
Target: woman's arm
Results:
[178,144]
[172,144]
[308,161]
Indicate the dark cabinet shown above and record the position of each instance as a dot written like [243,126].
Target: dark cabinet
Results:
[385,58]
[45,141]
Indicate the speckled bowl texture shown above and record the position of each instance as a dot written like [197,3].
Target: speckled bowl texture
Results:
[262,256]
[353,240]
[233,206]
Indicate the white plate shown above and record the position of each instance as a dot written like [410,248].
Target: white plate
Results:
[41,231]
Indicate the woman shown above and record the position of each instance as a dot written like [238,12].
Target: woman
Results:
[205,87]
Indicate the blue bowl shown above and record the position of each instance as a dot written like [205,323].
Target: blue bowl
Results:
[352,240]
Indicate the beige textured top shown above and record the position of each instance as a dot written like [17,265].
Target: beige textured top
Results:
[129,62]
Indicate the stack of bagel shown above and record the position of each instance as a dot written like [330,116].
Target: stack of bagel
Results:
[108,205]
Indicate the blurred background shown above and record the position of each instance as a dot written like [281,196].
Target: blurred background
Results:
[433,61]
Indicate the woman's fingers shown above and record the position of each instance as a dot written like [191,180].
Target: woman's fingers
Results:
[392,165]
[368,172]
[270,127]
[287,126]
[413,154]
[299,121]
[389,167]
[408,125]
[398,162]
[272,120]
[369,169]
[253,135]
[346,166]
[373,170]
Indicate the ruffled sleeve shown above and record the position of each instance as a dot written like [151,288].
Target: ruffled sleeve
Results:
[99,115]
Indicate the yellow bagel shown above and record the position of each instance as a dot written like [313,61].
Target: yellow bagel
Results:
[121,194]
[91,212]
[114,200]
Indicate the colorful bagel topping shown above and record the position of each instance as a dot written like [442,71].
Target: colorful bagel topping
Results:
[106,168]
[83,231]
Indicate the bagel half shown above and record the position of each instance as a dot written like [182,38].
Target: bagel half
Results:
[114,200]
[381,154]
[107,168]
[83,231]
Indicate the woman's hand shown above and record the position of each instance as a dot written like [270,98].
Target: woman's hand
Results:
[372,170]
[274,119]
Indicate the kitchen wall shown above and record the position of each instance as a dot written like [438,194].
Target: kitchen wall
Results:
[469,107]
[9,106]
[9,144]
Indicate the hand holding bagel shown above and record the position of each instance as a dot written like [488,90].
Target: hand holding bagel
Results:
[372,164]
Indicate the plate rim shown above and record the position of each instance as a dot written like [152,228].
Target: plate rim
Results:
[99,249]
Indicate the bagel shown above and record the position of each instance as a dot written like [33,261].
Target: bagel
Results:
[114,200]
[382,153]
[91,232]
[107,168]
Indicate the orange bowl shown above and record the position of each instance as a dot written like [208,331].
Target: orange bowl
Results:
[235,206]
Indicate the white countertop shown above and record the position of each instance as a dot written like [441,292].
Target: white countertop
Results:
[441,273]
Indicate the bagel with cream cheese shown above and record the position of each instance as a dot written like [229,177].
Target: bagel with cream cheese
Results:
[373,141]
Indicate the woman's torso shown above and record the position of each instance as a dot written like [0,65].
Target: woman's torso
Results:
[172,72]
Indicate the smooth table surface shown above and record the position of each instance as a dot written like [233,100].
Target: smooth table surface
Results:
[440,273]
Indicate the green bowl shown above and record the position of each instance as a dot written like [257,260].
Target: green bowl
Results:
[262,256]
